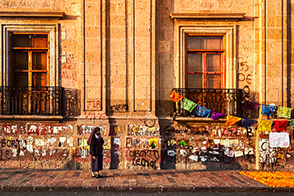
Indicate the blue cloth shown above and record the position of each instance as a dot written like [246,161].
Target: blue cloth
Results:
[247,123]
[203,111]
[268,109]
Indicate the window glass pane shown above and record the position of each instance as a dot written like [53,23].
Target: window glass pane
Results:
[213,81]
[194,62]
[20,60]
[196,42]
[39,61]
[214,43]
[195,81]
[213,62]
[40,41]
[22,40]
[20,79]
[39,79]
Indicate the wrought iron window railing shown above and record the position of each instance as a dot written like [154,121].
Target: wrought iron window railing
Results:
[42,100]
[227,101]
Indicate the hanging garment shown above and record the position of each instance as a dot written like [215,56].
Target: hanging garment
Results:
[176,96]
[188,105]
[284,112]
[280,125]
[203,111]
[247,123]
[216,115]
[268,109]
[232,120]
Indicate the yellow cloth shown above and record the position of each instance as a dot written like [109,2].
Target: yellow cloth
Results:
[265,126]
[284,112]
[176,96]
[232,120]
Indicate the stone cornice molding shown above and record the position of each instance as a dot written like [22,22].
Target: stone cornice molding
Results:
[12,14]
[209,16]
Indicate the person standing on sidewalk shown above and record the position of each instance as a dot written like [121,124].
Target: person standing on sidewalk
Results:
[96,142]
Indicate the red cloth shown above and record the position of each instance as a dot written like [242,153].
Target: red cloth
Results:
[280,125]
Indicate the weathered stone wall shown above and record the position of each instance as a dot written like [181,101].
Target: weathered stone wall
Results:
[141,147]
[116,61]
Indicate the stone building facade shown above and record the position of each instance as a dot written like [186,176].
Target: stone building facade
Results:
[70,65]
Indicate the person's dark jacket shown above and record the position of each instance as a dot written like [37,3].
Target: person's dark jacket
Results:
[96,146]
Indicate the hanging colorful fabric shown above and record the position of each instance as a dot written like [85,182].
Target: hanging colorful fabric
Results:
[203,111]
[284,112]
[292,124]
[280,125]
[265,126]
[188,105]
[250,105]
[216,115]
[232,120]
[268,109]
[176,96]
[247,123]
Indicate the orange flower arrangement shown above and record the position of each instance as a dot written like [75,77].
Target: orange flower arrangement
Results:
[273,179]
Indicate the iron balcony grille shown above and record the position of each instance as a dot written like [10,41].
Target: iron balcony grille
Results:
[227,101]
[26,100]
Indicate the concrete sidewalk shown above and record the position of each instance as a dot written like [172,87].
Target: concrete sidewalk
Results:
[134,181]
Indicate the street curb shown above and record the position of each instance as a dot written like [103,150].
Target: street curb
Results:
[169,188]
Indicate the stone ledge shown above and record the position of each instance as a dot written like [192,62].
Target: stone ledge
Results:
[32,14]
[217,16]
[30,118]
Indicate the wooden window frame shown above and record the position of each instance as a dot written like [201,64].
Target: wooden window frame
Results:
[204,52]
[30,51]
[53,61]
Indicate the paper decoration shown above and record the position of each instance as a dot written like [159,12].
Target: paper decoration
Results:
[247,123]
[70,141]
[44,152]
[21,152]
[136,129]
[238,154]
[83,142]
[216,115]
[279,140]
[250,105]
[39,142]
[249,151]
[193,157]
[280,125]
[284,112]
[268,109]
[183,153]
[153,143]
[188,105]
[176,96]
[107,143]
[117,129]
[116,141]
[265,126]
[203,111]
[182,143]
[232,120]
[292,124]
[171,153]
